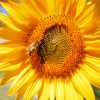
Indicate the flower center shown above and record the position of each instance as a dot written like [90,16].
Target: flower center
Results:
[56,47]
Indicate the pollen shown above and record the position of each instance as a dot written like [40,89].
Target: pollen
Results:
[56,47]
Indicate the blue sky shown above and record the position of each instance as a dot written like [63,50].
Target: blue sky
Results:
[2,10]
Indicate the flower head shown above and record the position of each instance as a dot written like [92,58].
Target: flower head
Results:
[52,48]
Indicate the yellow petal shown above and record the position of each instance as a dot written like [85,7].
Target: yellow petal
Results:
[97,8]
[97,32]
[91,74]
[15,60]
[68,95]
[34,7]
[45,93]
[1,78]
[84,15]
[21,79]
[72,9]
[93,51]
[41,5]
[81,84]
[6,20]
[9,67]
[60,89]
[14,54]
[73,94]
[8,77]
[28,10]
[4,50]
[51,6]
[86,22]
[90,30]
[93,62]
[78,96]
[92,37]
[66,6]
[95,43]
[80,6]
[21,92]
[52,89]
[11,44]
[57,6]
[13,14]
[21,12]
[9,34]
[24,15]
[32,89]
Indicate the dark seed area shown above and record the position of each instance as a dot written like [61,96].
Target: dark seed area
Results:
[55,46]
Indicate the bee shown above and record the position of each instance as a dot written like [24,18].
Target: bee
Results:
[32,47]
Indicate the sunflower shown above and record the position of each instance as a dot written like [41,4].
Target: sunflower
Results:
[52,48]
